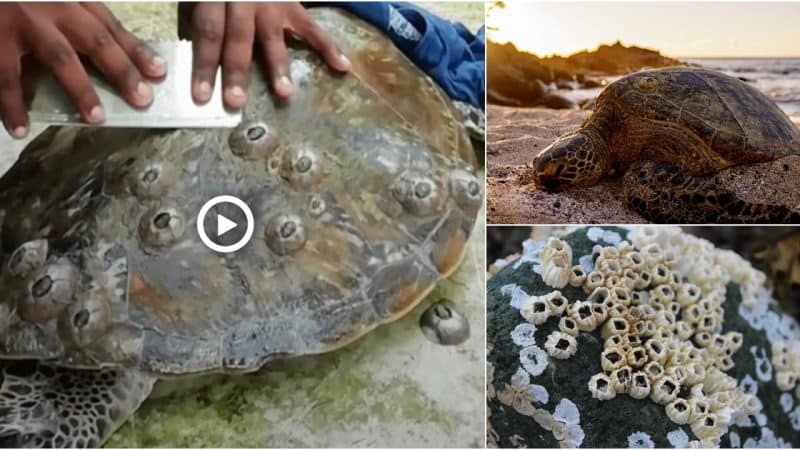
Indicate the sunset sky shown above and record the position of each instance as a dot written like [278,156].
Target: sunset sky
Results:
[678,29]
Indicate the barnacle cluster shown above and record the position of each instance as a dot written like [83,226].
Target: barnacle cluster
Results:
[661,320]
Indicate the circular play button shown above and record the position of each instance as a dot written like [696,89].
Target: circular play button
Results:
[225,224]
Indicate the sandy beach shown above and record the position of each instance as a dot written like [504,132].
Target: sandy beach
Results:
[516,136]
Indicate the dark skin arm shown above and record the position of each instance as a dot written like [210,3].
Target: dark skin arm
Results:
[224,34]
[55,34]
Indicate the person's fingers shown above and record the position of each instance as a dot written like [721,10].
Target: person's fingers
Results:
[276,56]
[94,40]
[148,62]
[12,105]
[208,31]
[319,40]
[240,28]
[55,52]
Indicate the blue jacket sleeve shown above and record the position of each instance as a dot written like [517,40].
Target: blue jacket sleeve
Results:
[446,51]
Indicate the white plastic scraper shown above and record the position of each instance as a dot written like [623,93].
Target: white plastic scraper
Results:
[172,107]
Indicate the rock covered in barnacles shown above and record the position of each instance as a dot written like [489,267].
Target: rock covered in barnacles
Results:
[689,351]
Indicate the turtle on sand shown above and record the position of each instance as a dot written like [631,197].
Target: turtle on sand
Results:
[364,192]
[688,140]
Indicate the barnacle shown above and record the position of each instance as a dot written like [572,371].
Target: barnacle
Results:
[577,277]
[567,325]
[536,311]
[678,411]
[640,386]
[665,390]
[601,387]
[556,259]
[560,345]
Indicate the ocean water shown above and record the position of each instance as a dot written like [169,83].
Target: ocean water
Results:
[778,78]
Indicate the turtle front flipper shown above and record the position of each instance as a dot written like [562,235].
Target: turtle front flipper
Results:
[45,407]
[758,193]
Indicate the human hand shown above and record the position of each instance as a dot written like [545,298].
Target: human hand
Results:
[54,34]
[224,33]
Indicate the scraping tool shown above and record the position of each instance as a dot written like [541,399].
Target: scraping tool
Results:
[172,107]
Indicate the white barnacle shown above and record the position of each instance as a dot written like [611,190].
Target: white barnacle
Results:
[560,345]
[640,386]
[533,359]
[621,379]
[656,350]
[615,325]
[581,313]
[556,303]
[636,356]
[640,439]
[567,325]
[688,294]
[665,390]
[601,387]
[594,280]
[654,371]
[556,260]
[522,334]
[678,411]
[578,276]
[536,310]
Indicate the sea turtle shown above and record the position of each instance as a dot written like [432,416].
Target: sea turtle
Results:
[683,135]
[364,192]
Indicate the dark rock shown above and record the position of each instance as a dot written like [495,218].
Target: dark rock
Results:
[510,73]
[556,101]
[606,423]
[590,83]
[564,84]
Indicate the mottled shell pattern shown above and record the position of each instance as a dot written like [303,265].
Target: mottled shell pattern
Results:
[732,118]
[364,191]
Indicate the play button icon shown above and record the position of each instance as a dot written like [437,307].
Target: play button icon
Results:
[225,224]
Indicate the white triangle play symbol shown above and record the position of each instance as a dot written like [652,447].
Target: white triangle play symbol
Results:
[224,225]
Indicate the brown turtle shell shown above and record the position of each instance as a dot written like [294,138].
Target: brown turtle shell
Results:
[364,192]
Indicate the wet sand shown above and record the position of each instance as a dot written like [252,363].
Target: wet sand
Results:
[515,137]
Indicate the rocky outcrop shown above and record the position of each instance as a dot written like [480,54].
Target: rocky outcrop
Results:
[519,78]
[615,59]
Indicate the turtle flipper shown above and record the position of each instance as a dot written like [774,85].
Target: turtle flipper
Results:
[46,406]
[665,193]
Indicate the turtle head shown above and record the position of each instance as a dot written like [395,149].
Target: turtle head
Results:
[570,161]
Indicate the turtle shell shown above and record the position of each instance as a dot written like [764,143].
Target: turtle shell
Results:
[734,119]
[364,193]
